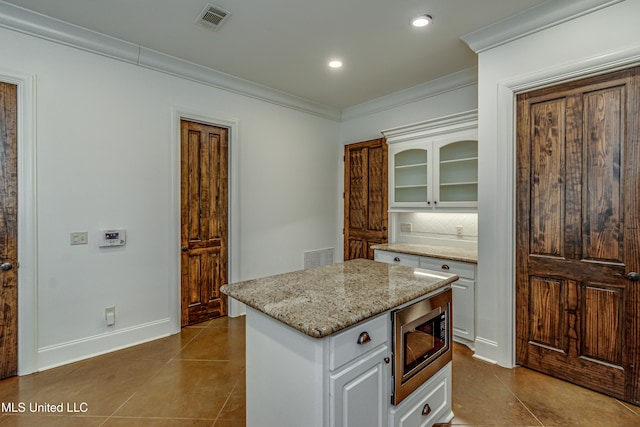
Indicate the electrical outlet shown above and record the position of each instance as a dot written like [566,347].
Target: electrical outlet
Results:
[79,238]
[405,227]
[459,230]
[110,315]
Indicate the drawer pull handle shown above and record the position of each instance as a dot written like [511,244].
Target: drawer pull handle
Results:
[426,410]
[445,267]
[364,338]
[396,259]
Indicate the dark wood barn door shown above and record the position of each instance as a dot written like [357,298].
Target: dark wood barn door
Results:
[8,230]
[204,224]
[578,233]
[365,197]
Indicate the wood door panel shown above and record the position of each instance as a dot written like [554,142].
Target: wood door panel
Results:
[358,185]
[9,229]
[365,198]
[604,123]
[547,308]
[377,183]
[547,178]
[204,196]
[606,315]
[577,222]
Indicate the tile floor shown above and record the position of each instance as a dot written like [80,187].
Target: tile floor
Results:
[196,378]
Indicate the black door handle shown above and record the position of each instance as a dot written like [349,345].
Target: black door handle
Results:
[633,276]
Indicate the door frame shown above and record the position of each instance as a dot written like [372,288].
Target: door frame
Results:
[27,222]
[503,351]
[178,113]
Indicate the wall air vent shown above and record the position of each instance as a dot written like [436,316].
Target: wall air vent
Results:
[213,17]
[318,257]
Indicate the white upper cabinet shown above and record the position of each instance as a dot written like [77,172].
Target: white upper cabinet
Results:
[434,164]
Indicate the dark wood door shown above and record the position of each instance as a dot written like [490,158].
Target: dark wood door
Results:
[8,230]
[578,233]
[204,225]
[365,198]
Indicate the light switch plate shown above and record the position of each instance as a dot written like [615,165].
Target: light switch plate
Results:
[405,227]
[79,237]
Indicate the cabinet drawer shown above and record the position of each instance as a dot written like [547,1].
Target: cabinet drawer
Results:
[344,346]
[427,405]
[397,258]
[462,269]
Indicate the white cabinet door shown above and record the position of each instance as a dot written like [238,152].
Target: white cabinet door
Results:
[434,168]
[455,171]
[464,295]
[410,174]
[360,392]
[464,322]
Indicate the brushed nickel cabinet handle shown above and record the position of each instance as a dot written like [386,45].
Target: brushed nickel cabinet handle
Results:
[426,410]
[6,266]
[364,338]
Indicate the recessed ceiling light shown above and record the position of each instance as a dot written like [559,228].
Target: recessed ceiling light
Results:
[421,20]
[335,63]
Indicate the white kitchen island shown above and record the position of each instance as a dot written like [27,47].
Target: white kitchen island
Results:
[304,363]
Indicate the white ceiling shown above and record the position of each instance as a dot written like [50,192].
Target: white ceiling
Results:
[286,44]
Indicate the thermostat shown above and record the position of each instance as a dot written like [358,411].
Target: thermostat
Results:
[112,238]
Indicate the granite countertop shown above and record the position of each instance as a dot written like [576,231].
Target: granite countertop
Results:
[443,252]
[323,300]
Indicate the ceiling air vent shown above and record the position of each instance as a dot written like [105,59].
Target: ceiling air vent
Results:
[213,17]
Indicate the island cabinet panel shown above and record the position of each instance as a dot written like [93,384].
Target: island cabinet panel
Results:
[284,375]
[290,381]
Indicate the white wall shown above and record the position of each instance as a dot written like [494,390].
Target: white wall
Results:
[107,156]
[592,43]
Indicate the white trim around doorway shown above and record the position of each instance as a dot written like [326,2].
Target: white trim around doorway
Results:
[506,128]
[178,114]
[27,222]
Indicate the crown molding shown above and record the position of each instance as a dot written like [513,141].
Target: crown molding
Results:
[532,20]
[38,25]
[433,127]
[460,79]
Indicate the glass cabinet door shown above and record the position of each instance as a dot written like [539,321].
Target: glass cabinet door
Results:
[458,173]
[411,176]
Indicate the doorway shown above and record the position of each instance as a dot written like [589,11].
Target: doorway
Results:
[577,245]
[9,229]
[203,220]
[365,197]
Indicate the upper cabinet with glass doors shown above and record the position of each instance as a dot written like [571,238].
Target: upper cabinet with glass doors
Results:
[434,164]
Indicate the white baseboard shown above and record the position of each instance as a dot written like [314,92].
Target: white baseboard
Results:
[73,351]
[486,350]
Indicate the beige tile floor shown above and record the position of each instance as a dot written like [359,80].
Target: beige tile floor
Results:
[197,377]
